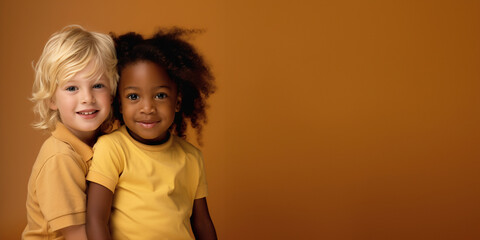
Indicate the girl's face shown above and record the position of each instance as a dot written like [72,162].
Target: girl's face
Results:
[148,101]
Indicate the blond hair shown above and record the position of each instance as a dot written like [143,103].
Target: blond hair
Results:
[67,52]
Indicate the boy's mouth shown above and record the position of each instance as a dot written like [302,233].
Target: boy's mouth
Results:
[87,112]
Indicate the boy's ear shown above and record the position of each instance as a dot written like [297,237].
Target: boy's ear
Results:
[52,105]
[179,103]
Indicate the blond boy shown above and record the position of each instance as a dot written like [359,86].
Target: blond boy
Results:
[75,82]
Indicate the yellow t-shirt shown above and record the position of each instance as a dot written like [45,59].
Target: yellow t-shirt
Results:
[154,186]
[56,189]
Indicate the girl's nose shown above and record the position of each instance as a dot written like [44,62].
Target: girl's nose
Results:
[148,106]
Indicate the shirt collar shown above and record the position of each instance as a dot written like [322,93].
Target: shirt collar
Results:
[64,135]
[159,147]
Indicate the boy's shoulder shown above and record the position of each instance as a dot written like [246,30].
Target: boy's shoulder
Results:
[63,145]
[56,152]
[53,146]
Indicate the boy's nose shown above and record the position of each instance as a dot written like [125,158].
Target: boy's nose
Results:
[87,96]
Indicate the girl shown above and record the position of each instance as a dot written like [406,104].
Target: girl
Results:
[146,181]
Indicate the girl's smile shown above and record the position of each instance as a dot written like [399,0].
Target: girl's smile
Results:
[148,124]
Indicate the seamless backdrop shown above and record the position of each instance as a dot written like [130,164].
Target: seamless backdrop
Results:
[332,120]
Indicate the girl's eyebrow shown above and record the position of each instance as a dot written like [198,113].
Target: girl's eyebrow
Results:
[163,86]
[136,88]
[129,87]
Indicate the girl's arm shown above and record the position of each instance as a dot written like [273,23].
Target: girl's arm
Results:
[202,225]
[76,232]
[99,202]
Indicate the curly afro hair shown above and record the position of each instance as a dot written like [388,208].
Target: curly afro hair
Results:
[184,65]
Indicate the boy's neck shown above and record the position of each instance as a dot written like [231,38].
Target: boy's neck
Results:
[88,138]
[90,141]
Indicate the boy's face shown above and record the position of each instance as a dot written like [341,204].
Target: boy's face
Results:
[148,101]
[83,103]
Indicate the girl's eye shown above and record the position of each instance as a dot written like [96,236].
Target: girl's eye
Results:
[98,85]
[161,96]
[71,88]
[132,96]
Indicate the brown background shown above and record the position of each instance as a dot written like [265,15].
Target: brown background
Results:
[333,119]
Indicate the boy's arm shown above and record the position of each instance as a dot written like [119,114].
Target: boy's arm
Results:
[99,203]
[60,190]
[202,225]
[76,232]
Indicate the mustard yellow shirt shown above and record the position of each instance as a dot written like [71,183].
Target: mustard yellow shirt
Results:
[56,189]
[154,186]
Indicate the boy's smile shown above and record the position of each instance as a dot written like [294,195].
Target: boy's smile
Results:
[83,103]
[88,114]
[148,101]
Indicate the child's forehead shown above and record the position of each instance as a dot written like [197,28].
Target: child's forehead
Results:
[146,74]
[80,79]
[143,66]
[91,72]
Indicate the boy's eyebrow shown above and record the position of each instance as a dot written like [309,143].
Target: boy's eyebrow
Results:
[76,80]
[69,82]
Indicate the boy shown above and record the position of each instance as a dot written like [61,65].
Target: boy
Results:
[75,82]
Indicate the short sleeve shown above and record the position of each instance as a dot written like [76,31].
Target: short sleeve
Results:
[60,187]
[107,165]
[202,190]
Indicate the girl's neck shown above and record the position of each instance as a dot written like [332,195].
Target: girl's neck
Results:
[152,142]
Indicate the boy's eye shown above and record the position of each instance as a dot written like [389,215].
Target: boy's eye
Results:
[71,88]
[161,96]
[98,85]
[132,96]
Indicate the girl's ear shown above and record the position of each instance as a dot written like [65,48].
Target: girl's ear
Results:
[52,105]
[179,103]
